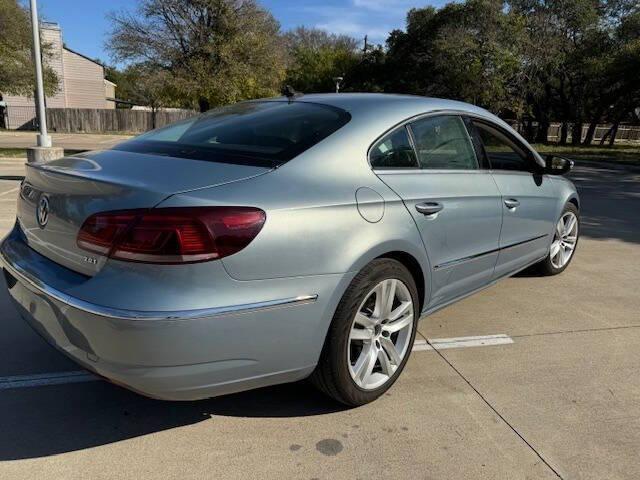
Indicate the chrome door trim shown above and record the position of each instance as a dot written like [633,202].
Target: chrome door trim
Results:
[32,283]
[489,252]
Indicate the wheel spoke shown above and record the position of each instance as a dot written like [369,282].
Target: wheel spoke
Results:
[569,224]
[385,363]
[560,228]
[570,240]
[388,296]
[364,365]
[363,320]
[401,311]
[390,349]
[360,334]
[399,324]
[555,248]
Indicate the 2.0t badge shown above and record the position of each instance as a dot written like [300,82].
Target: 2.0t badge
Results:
[42,213]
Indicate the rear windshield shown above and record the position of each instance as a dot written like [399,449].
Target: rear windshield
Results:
[257,133]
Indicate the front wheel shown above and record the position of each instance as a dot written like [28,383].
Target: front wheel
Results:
[371,335]
[565,241]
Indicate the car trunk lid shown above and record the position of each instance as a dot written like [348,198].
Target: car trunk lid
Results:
[57,197]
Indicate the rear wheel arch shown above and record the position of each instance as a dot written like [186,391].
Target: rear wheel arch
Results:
[411,264]
[575,201]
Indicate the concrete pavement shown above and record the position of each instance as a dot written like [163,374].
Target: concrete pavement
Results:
[561,401]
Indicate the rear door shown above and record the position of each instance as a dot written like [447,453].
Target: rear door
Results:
[528,198]
[454,201]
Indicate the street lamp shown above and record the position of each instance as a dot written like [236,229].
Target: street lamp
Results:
[44,140]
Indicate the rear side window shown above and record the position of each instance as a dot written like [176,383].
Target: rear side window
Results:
[443,143]
[394,151]
[502,152]
[262,133]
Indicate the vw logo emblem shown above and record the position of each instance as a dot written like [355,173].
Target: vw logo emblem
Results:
[42,214]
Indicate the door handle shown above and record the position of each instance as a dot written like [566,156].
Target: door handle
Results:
[429,208]
[511,203]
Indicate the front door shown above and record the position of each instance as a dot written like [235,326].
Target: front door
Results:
[528,199]
[454,203]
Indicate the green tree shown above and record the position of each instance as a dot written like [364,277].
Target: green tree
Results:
[211,52]
[467,51]
[316,57]
[17,75]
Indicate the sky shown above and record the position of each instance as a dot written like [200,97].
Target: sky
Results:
[85,26]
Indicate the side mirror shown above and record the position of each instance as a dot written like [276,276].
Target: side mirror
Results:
[558,165]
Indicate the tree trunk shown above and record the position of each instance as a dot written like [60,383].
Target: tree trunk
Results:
[527,124]
[614,132]
[576,133]
[591,131]
[543,131]
[203,104]
[564,133]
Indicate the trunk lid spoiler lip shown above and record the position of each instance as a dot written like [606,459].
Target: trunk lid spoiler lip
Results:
[69,172]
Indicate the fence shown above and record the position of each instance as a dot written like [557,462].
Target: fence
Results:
[18,117]
[89,120]
[625,133]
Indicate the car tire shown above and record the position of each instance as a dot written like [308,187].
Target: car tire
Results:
[550,265]
[335,373]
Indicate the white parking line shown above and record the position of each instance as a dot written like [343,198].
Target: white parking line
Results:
[462,342]
[43,379]
[79,376]
[9,191]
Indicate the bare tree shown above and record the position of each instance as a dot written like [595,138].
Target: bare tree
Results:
[212,52]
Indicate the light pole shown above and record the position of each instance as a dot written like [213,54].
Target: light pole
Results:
[44,140]
[338,81]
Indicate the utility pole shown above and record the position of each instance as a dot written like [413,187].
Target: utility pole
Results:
[44,151]
[44,140]
[366,44]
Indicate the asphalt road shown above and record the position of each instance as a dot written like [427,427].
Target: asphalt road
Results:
[69,141]
[561,401]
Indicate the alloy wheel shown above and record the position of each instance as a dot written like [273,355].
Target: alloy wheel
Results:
[380,334]
[565,239]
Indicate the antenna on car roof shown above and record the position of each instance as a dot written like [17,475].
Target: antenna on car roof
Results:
[291,94]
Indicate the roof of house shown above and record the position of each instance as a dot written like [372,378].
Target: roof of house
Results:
[83,56]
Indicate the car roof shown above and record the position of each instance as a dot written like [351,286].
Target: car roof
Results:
[366,104]
[381,111]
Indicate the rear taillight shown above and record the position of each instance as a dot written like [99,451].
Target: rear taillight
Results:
[171,235]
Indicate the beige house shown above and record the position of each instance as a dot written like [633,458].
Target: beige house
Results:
[82,83]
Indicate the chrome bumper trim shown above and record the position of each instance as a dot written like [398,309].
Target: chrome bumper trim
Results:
[24,277]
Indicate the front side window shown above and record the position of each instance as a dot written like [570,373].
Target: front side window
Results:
[394,151]
[267,133]
[443,143]
[502,152]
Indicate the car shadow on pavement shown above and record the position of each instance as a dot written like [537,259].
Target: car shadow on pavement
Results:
[43,421]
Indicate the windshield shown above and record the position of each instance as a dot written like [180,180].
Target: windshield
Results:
[267,133]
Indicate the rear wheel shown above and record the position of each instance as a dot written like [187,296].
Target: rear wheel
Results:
[565,241]
[371,335]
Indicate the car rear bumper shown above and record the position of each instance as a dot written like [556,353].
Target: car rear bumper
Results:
[179,355]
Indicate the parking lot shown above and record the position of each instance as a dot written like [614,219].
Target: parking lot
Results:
[558,396]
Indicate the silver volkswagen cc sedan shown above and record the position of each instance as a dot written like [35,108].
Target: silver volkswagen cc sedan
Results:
[280,239]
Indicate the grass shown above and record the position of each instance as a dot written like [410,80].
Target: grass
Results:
[13,153]
[621,153]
